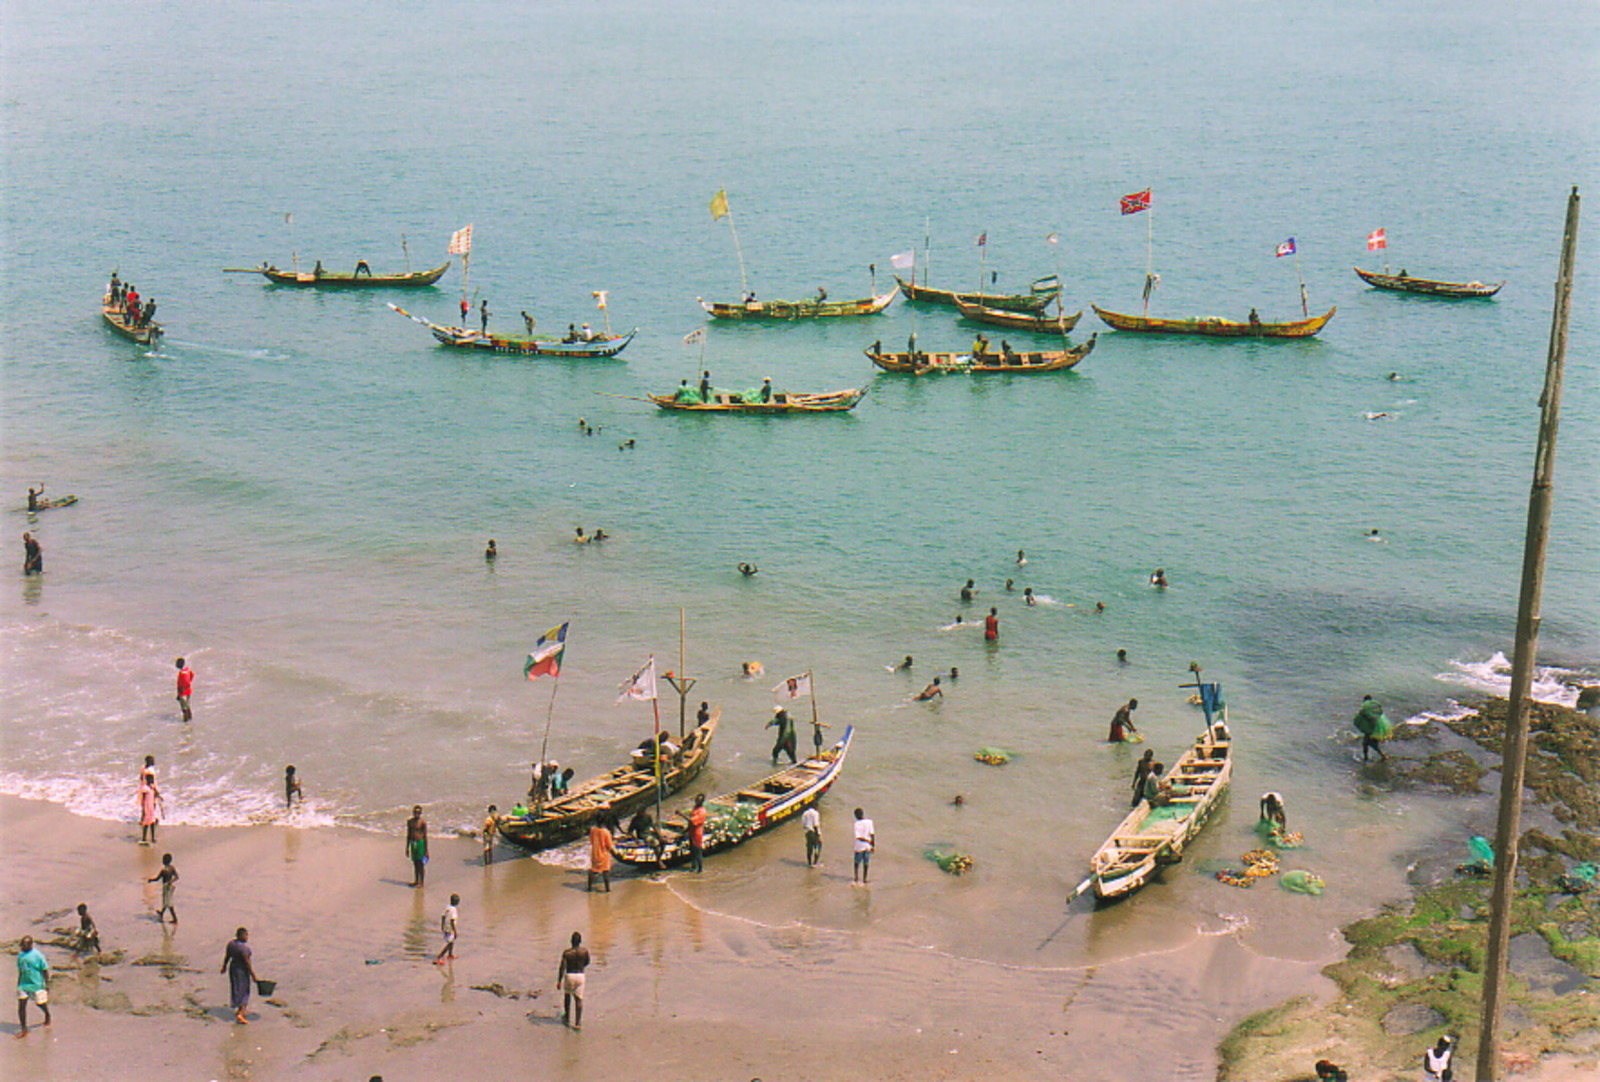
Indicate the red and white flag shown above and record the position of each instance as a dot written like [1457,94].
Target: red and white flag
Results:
[1377,239]
[983,239]
[1133,204]
[461,241]
[1286,248]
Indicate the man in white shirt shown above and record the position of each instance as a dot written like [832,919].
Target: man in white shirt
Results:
[866,841]
[447,926]
[811,819]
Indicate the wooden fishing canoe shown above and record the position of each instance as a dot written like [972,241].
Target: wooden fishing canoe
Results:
[1403,283]
[1020,363]
[1215,326]
[1151,837]
[1017,321]
[334,280]
[601,345]
[117,319]
[788,310]
[621,792]
[1034,302]
[736,817]
[781,402]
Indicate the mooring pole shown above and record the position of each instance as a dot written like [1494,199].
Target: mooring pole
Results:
[1514,752]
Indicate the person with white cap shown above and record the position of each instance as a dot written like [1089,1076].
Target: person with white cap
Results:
[1436,1060]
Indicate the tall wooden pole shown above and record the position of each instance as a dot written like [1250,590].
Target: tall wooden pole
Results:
[1514,753]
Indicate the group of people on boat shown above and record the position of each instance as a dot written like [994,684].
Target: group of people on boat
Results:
[549,781]
[584,333]
[136,311]
[362,267]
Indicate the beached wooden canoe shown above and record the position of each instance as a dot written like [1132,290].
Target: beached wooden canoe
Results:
[1035,302]
[786,310]
[1017,321]
[333,280]
[780,402]
[601,345]
[1019,363]
[1151,837]
[738,816]
[1404,283]
[1215,326]
[116,318]
[620,793]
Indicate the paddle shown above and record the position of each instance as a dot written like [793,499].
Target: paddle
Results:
[1079,889]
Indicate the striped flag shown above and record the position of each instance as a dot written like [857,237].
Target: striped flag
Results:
[545,660]
[983,239]
[642,685]
[461,241]
[1377,239]
[1133,204]
[1286,248]
[695,337]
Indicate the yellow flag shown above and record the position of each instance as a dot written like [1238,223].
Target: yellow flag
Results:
[719,205]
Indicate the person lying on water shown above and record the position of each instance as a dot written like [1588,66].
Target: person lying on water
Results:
[932,691]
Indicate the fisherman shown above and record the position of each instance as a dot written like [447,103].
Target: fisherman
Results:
[148,314]
[33,496]
[702,715]
[115,287]
[465,309]
[822,294]
[766,389]
[1152,791]
[1368,721]
[1006,355]
[705,386]
[483,315]
[586,333]
[362,266]
[317,271]
[527,322]
[1141,770]
[785,743]
[980,346]
[572,333]
[1122,723]
[1255,320]
[1273,812]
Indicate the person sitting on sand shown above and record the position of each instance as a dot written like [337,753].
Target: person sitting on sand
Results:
[932,691]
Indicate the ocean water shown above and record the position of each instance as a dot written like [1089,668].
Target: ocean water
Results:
[295,488]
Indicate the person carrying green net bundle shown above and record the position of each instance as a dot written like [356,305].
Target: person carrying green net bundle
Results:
[1373,726]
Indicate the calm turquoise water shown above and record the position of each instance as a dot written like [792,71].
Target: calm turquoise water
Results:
[295,489]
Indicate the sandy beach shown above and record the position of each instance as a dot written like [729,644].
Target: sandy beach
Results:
[675,991]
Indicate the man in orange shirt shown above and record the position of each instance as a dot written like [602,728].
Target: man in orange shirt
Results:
[185,688]
[600,845]
[991,626]
[697,832]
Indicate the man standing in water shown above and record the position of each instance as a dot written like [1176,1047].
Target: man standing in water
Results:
[185,688]
[1122,722]
[991,626]
[33,982]
[697,832]
[417,845]
[866,842]
[570,979]
[32,555]
[811,820]
[1140,771]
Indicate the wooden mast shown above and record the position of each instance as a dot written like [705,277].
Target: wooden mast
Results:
[1514,752]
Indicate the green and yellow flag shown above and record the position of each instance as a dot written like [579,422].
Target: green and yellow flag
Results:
[719,205]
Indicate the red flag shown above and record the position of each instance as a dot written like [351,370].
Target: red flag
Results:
[983,238]
[1377,239]
[1133,204]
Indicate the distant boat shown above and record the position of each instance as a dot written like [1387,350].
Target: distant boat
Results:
[780,402]
[1018,363]
[787,310]
[600,345]
[1215,326]
[116,318]
[736,817]
[54,502]
[1015,320]
[1035,302]
[1404,283]
[1147,837]
[332,280]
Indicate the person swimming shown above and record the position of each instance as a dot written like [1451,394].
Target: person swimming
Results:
[904,666]
[1027,596]
[1011,586]
[932,691]
[1158,579]
[1022,558]
[748,569]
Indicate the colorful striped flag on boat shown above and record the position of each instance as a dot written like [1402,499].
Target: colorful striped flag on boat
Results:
[545,660]
[1133,204]
[461,241]
[1286,248]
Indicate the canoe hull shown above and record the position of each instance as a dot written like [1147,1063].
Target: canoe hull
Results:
[1011,302]
[782,402]
[621,793]
[774,800]
[117,320]
[1214,327]
[785,311]
[1022,363]
[1017,321]
[460,338]
[1428,287]
[409,280]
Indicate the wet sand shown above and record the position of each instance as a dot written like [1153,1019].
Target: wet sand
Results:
[675,991]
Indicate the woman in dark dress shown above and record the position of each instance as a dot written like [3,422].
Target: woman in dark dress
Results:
[241,973]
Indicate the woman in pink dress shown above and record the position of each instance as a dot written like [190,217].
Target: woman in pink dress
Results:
[149,809]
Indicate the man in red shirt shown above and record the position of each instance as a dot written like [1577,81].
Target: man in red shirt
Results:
[991,626]
[185,687]
[697,832]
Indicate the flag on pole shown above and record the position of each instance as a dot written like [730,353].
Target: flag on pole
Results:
[642,685]
[461,241]
[719,205]
[1377,239]
[545,660]
[600,296]
[695,337]
[1133,204]
[796,687]
[983,239]
[903,260]
[1050,283]
[1053,238]
[1286,248]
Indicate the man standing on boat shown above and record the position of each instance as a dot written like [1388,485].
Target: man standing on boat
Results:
[361,265]
[705,386]
[483,315]
[785,744]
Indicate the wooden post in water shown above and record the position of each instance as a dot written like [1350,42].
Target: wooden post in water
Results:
[1514,752]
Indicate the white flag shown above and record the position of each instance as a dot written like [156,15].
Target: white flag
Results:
[695,337]
[600,296]
[903,260]
[796,687]
[643,684]
[461,241]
